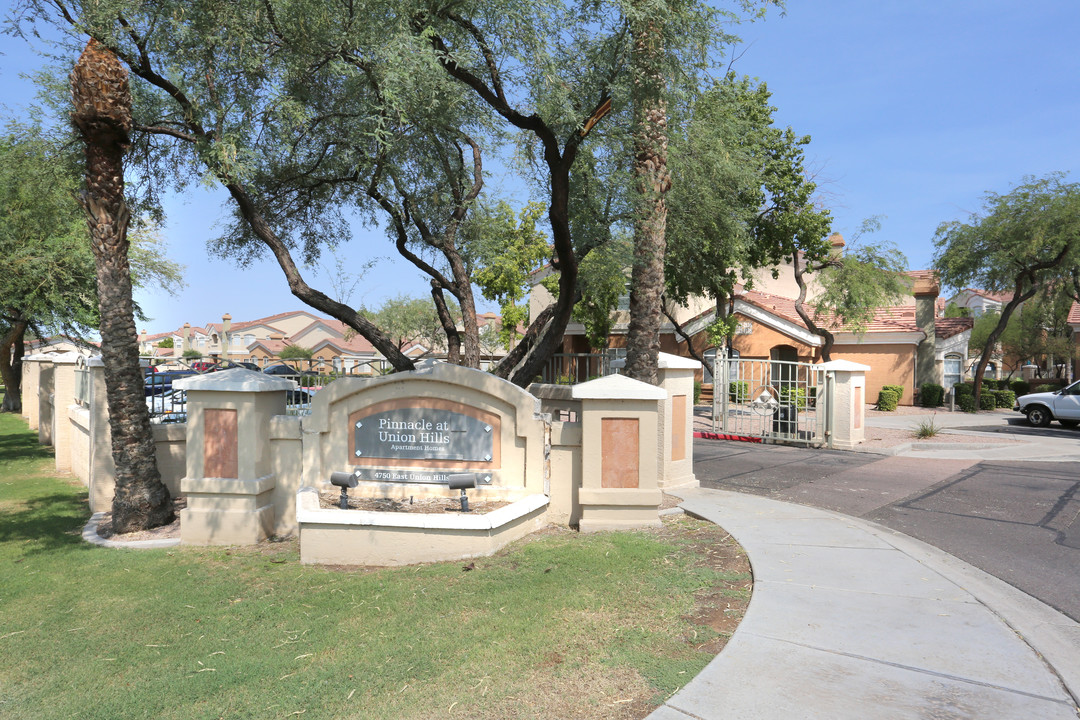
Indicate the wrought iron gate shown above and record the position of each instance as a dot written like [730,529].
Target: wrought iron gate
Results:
[772,399]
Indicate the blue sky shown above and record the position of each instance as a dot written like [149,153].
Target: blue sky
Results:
[916,110]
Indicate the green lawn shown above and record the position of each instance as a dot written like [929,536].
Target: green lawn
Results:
[559,626]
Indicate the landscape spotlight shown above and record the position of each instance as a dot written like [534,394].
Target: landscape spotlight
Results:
[460,481]
[344,481]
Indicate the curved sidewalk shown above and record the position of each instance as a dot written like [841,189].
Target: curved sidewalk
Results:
[852,620]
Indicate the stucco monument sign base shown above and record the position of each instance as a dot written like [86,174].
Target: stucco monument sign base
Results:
[252,471]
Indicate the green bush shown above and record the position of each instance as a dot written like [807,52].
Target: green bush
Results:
[793,396]
[988,400]
[1006,399]
[1020,387]
[738,391]
[887,399]
[965,396]
[932,395]
[1044,388]
[898,389]
[697,392]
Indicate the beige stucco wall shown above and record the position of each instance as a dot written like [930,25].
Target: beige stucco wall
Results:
[565,473]
[286,451]
[46,405]
[31,374]
[762,339]
[80,443]
[889,365]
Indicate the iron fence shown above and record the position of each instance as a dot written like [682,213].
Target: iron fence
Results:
[771,399]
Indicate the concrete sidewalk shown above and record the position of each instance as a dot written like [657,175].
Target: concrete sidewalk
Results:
[852,620]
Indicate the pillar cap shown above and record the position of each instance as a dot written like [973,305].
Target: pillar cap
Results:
[844,366]
[618,387]
[667,361]
[235,380]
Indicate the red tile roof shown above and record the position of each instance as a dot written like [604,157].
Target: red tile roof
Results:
[948,327]
[899,318]
[1074,314]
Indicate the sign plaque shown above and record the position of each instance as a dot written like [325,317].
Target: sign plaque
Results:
[422,433]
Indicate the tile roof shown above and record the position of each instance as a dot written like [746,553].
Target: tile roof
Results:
[948,327]
[1074,314]
[900,318]
[1001,297]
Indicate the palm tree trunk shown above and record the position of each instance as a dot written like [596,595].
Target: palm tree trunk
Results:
[103,117]
[652,182]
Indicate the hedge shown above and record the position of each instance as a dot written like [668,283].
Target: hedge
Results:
[793,396]
[988,399]
[1006,399]
[932,395]
[738,391]
[887,399]
[1020,387]
[965,396]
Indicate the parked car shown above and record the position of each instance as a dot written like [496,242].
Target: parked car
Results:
[298,401]
[230,364]
[281,369]
[161,382]
[1061,405]
[168,407]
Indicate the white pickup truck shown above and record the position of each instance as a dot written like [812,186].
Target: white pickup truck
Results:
[1061,405]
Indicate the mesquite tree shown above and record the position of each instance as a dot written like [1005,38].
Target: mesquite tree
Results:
[102,116]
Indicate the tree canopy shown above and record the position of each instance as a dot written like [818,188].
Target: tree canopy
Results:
[1023,241]
[47,280]
[306,113]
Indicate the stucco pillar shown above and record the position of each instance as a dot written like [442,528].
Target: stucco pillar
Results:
[45,400]
[230,481]
[31,381]
[63,397]
[846,413]
[620,453]
[676,378]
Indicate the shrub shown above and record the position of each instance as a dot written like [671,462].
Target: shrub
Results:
[887,399]
[898,389]
[1020,387]
[697,392]
[1006,399]
[965,396]
[932,395]
[927,428]
[1044,388]
[793,396]
[988,399]
[738,391]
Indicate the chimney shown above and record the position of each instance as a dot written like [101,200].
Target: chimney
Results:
[926,291]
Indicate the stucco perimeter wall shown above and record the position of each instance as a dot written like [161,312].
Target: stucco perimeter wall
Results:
[517,469]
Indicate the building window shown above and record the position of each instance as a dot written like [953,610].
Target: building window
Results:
[953,365]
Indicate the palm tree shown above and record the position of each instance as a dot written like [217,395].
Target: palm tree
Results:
[99,89]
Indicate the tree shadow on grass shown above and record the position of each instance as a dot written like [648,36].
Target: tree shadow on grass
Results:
[42,524]
[22,446]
